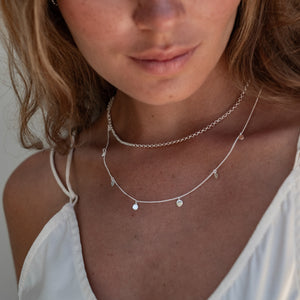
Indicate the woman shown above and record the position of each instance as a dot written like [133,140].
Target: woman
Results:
[187,185]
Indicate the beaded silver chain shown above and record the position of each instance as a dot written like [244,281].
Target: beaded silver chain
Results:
[179,199]
[180,140]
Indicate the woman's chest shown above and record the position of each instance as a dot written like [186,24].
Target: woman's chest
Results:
[165,252]
[171,254]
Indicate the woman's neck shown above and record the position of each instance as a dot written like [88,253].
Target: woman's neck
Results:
[138,122]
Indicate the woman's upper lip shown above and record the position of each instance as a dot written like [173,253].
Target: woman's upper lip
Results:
[162,55]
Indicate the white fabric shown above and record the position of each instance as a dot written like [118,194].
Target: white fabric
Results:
[267,269]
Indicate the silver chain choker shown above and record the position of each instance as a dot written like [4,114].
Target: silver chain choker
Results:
[180,140]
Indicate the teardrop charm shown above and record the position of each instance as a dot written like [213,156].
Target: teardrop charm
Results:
[216,174]
[112,182]
[103,152]
[241,137]
[179,202]
[135,206]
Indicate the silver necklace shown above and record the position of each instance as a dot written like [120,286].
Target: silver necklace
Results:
[180,140]
[179,199]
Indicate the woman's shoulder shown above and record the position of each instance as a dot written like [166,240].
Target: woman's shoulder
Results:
[32,181]
[31,197]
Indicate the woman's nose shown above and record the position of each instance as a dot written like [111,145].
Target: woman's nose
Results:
[158,15]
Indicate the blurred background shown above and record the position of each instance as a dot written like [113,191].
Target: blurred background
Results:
[11,154]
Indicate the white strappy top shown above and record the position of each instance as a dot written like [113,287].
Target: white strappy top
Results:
[267,269]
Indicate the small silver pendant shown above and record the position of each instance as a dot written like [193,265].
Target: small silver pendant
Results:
[135,206]
[241,137]
[103,152]
[179,202]
[216,174]
[112,182]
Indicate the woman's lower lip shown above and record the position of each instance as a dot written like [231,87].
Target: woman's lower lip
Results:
[166,67]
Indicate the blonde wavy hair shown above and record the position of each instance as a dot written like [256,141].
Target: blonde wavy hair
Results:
[50,75]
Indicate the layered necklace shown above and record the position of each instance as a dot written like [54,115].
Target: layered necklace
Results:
[179,199]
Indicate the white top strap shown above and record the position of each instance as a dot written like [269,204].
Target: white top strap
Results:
[67,190]
[297,159]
